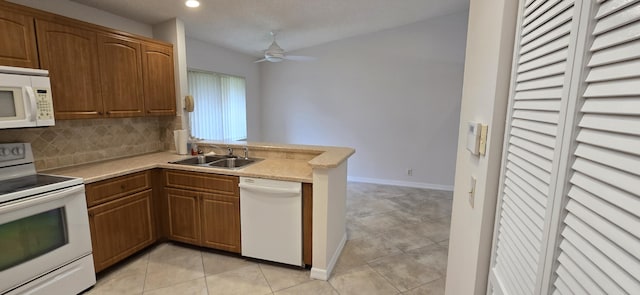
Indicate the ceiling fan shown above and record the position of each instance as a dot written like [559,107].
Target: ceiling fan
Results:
[275,53]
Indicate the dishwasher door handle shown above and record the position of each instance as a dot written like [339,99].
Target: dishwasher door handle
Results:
[269,190]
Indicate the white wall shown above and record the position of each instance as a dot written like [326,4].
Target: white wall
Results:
[89,14]
[209,57]
[393,95]
[484,98]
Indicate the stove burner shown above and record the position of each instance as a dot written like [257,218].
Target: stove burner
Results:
[28,182]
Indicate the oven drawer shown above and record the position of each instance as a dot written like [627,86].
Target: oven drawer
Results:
[115,188]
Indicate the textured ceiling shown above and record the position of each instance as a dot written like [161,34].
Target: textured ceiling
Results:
[244,25]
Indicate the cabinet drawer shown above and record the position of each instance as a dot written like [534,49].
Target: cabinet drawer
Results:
[213,183]
[118,187]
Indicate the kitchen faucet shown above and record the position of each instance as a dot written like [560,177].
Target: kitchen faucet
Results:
[246,152]
[229,151]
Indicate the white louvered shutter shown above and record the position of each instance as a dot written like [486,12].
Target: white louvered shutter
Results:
[599,250]
[535,124]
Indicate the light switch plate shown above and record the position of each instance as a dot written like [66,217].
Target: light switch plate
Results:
[472,191]
[473,137]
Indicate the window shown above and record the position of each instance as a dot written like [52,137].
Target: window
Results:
[220,107]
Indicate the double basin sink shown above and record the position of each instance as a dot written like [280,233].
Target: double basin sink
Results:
[217,161]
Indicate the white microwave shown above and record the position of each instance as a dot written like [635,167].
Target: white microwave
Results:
[25,98]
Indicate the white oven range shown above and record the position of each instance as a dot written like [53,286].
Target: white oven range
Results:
[45,243]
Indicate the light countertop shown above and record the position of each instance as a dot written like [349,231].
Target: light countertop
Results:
[272,168]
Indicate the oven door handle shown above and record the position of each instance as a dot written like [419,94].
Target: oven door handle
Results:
[36,200]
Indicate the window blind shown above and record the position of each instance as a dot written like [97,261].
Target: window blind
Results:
[220,106]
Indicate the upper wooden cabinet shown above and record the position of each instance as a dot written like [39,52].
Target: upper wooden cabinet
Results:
[71,56]
[159,87]
[18,37]
[121,76]
[95,72]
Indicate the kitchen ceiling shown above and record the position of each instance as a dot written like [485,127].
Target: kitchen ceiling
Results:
[244,25]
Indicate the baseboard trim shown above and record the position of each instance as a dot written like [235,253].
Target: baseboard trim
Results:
[324,274]
[319,274]
[401,183]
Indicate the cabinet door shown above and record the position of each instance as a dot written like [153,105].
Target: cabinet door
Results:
[18,35]
[221,222]
[120,228]
[120,76]
[307,223]
[159,83]
[71,56]
[183,212]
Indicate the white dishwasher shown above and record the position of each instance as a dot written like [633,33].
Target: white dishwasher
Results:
[271,220]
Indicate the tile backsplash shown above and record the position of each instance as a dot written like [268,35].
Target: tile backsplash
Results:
[73,142]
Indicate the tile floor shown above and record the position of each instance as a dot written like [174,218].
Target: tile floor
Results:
[398,240]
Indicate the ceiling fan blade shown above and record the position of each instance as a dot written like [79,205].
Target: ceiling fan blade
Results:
[299,58]
[260,60]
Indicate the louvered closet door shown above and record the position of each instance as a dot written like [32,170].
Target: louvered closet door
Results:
[600,239]
[539,93]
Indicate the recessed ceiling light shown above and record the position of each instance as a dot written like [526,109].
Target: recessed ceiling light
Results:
[192,3]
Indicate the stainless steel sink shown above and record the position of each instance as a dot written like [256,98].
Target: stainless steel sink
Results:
[197,162]
[229,162]
[232,163]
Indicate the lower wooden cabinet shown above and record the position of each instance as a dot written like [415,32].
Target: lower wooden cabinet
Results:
[184,216]
[120,228]
[130,212]
[220,217]
[203,209]
[121,217]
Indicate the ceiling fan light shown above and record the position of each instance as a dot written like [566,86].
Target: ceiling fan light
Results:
[192,3]
[274,58]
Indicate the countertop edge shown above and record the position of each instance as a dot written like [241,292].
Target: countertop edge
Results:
[332,158]
[327,156]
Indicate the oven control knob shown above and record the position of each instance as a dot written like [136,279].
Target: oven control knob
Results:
[3,152]
[17,151]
